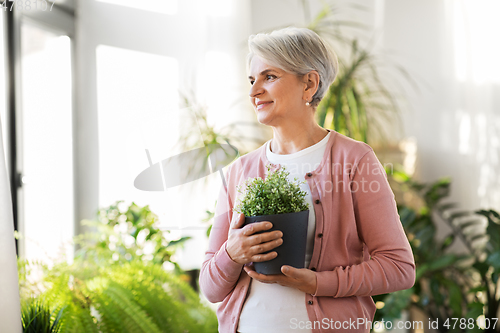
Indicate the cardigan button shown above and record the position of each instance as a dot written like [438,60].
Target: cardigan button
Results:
[310,302]
[317,201]
[309,174]
[320,235]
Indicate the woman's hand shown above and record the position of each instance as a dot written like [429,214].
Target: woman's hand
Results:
[302,279]
[243,246]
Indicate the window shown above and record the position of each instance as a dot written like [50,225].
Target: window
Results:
[45,149]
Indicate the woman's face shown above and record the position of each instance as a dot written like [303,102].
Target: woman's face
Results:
[277,96]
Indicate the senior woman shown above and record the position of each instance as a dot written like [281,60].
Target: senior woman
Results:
[356,246]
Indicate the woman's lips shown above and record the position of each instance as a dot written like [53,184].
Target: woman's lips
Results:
[263,105]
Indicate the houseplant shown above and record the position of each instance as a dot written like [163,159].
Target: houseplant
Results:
[134,296]
[119,281]
[281,202]
[37,317]
[124,232]
[360,103]
[448,284]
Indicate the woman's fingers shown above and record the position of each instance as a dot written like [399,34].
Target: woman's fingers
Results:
[265,237]
[264,256]
[238,221]
[273,278]
[302,279]
[251,242]
[260,249]
[256,227]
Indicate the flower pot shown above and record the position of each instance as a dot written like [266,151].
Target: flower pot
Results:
[292,251]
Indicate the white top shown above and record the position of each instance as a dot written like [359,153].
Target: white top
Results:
[271,308]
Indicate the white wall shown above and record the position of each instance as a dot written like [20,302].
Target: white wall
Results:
[456,124]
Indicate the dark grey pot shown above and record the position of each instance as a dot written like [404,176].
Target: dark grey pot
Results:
[292,251]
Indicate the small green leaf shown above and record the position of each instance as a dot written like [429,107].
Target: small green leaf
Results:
[447,242]
[481,267]
[494,260]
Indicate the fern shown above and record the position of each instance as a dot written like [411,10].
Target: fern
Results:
[101,294]
[126,297]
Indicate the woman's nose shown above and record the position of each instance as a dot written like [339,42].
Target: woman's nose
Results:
[255,90]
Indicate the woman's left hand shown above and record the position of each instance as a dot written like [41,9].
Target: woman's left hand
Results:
[302,279]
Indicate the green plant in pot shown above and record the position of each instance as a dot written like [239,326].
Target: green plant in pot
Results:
[281,202]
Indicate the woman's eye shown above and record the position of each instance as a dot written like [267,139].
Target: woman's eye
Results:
[270,77]
[251,82]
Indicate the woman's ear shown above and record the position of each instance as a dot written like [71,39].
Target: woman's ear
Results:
[311,81]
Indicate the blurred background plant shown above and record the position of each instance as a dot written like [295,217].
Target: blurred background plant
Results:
[239,134]
[458,283]
[37,317]
[123,279]
[134,296]
[124,233]
[226,143]
[359,103]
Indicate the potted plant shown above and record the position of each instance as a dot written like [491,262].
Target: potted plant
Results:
[281,202]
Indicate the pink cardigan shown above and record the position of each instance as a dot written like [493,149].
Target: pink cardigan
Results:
[360,248]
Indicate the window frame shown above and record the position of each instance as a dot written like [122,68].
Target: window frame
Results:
[60,20]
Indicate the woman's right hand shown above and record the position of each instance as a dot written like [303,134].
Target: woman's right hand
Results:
[244,246]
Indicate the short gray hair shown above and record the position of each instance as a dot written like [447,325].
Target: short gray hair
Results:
[297,51]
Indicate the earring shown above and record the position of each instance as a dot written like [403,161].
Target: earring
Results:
[307,103]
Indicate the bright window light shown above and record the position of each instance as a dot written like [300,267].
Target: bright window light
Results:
[216,8]
[464,132]
[218,68]
[46,145]
[477,52]
[137,102]
[168,7]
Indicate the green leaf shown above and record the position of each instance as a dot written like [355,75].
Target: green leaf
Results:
[493,230]
[494,260]
[179,241]
[443,261]
[481,267]
[494,277]
[455,297]
[477,289]
[475,309]
[447,242]
[395,303]
[436,291]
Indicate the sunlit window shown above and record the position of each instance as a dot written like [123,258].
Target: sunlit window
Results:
[47,212]
[137,101]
